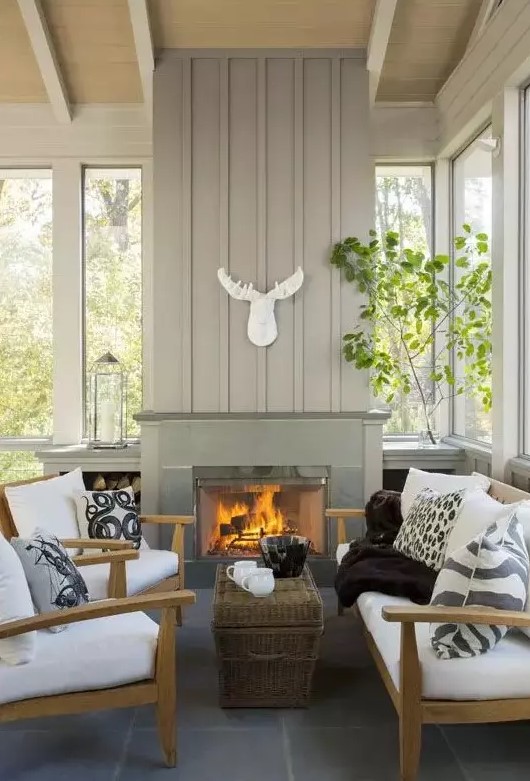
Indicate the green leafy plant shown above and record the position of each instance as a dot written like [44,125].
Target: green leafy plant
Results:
[418,334]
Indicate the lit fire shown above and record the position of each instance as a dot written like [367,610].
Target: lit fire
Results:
[240,525]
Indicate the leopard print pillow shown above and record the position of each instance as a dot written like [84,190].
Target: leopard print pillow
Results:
[425,531]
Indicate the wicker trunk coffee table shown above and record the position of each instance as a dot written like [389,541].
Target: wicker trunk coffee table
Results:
[266,647]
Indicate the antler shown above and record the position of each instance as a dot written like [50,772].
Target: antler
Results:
[288,287]
[235,289]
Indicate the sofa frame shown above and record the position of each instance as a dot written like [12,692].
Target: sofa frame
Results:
[114,552]
[412,709]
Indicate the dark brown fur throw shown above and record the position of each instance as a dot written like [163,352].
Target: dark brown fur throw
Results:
[372,564]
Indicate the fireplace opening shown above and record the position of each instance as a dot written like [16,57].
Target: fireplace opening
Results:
[233,516]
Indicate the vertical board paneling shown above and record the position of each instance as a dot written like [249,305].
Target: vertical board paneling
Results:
[260,163]
[167,276]
[206,234]
[185,223]
[242,226]
[335,324]
[261,218]
[298,341]
[280,227]
[357,210]
[224,184]
[317,234]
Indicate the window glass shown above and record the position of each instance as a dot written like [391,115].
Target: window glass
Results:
[25,303]
[113,275]
[472,205]
[18,465]
[404,204]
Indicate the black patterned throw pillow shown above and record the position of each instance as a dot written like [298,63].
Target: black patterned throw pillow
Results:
[54,581]
[424,533]
[109,515]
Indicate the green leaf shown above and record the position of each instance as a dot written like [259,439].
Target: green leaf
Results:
[466,227]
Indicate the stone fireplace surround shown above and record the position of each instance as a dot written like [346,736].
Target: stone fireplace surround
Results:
[178,447]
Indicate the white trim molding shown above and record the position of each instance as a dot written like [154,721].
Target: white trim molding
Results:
[44,51]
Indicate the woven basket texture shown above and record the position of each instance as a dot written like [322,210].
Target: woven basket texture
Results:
[267,648]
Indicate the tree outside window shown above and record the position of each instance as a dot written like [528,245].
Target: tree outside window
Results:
[113,275]
[404,204]
[26,359]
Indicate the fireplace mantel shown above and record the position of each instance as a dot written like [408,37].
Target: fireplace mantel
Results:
[376,416]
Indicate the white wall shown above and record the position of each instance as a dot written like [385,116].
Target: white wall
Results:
[261,161]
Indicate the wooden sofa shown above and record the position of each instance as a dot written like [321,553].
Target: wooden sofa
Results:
[493,687]
[115,567]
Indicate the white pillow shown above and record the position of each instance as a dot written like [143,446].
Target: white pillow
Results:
[15,603]
[479,512]
[445,484]
[49,504]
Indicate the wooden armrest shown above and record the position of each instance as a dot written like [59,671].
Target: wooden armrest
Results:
[417,614]
[181,520]
[340,517]
[332,512]
[85,559]
[83,542]
[107,607]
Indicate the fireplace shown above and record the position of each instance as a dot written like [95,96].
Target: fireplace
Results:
[232,514]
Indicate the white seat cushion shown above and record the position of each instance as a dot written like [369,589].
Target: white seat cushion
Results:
[88,656]
[502,673]
[342,550]
[150,568]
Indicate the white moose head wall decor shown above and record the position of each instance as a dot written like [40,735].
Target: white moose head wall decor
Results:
[261,329]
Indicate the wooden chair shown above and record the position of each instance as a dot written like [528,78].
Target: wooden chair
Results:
[158,689]
[340,516]
[116,576]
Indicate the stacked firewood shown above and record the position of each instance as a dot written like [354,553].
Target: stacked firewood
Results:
[115,481]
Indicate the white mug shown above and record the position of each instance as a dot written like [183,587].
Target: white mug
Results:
[240,569]
[260,582]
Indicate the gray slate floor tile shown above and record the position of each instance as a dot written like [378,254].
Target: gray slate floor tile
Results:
[60,755]
[209,755]
[364,754]
[492,752]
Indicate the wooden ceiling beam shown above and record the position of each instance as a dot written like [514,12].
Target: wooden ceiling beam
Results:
[143,41]
[44,51]
[377,45]
[483,17]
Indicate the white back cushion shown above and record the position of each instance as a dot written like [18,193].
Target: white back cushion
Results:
[478,512]
[15,603]
[49,504]
[417,480]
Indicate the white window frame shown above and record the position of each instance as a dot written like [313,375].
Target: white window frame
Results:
[524,297]
[67,287]
[453,435]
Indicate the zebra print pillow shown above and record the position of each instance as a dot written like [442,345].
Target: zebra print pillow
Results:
[490,571]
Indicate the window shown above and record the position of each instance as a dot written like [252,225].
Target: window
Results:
[26,304]
[404,204]
[26,360]
[113,275]
[472,204]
